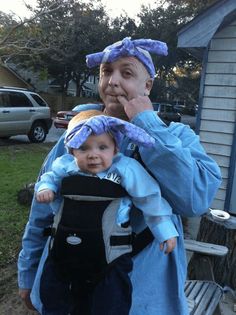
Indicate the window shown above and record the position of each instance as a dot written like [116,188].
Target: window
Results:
[90,79]
[4,99]
[169,109]
[19,100]
[162,109]
[155,106]
[39,100]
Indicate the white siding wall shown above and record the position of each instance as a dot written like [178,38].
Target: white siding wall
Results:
[219,104]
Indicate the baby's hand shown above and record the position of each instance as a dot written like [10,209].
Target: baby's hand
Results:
[169,245]
[45,195]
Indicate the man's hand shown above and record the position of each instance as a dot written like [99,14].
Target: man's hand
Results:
[169,245]
[25,296]
[135,105]
[45,195]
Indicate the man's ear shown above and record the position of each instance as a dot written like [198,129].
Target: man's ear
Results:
[148,87]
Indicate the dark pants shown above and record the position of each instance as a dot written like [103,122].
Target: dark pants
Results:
[110,296]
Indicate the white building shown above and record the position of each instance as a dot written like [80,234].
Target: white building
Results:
[211,37]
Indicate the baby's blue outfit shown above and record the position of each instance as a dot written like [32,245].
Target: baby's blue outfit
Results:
[141,187]
[188,179]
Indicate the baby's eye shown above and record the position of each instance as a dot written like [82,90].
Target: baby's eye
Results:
[103,147]
[82,148]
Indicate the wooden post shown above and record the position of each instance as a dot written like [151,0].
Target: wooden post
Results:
[220,269]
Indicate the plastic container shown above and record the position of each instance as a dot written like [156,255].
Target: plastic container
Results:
[219,215]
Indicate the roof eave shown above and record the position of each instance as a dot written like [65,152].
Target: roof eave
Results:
[196,35]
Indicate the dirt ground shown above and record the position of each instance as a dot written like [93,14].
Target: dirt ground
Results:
[10,303]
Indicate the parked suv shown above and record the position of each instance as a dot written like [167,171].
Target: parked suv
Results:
[167,112]
[23,112]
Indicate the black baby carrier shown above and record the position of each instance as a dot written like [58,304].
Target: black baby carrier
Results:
[86,239]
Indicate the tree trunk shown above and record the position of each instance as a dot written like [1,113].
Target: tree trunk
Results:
[223,268]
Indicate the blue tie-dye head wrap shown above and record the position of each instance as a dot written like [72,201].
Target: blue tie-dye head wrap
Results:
[100,124]
[139,48]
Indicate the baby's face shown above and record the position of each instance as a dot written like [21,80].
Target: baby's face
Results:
[96,153]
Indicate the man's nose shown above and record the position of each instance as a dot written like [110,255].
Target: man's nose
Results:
[114,80]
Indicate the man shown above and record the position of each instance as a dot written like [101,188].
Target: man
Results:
[188,179]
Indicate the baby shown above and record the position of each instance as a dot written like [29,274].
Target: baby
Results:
[93,141]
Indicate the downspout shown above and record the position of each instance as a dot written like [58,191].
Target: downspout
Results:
[231,179]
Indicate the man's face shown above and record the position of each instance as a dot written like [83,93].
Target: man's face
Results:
[96,153]
[124,77]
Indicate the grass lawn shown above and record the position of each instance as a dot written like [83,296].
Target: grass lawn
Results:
[19,165]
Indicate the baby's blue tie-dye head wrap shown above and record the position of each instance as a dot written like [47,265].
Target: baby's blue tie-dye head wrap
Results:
[100,124]
[139,48]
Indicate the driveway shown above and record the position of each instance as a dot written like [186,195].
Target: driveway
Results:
[54,133]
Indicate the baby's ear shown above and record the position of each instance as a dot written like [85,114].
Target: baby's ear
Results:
[116,150]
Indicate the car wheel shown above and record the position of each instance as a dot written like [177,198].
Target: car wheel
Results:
[38,132]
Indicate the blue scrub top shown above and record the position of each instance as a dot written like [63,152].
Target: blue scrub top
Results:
[188,179]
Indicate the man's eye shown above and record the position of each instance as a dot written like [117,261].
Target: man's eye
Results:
[106,71]
[127,73]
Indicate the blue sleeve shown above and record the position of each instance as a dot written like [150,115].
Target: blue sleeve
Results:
[162,227]
[61,167]
[33,241]
[50,180]
[188,177]
[143,189]
[146,195]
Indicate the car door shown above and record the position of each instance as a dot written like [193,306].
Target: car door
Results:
[15,113]
[170,115]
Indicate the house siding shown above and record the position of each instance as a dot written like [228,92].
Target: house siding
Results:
[7,78]
[218,113]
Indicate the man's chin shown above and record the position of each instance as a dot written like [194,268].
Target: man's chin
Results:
[115,110]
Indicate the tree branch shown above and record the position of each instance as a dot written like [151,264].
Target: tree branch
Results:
[27,21]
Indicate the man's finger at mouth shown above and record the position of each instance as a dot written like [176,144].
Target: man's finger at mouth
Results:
[123,100]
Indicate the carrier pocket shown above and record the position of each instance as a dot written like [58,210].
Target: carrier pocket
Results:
[77,252]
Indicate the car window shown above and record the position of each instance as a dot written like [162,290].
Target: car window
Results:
[162,109]
[19,100]
[155,106]
[169,109]
[4,99]
[39,100]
